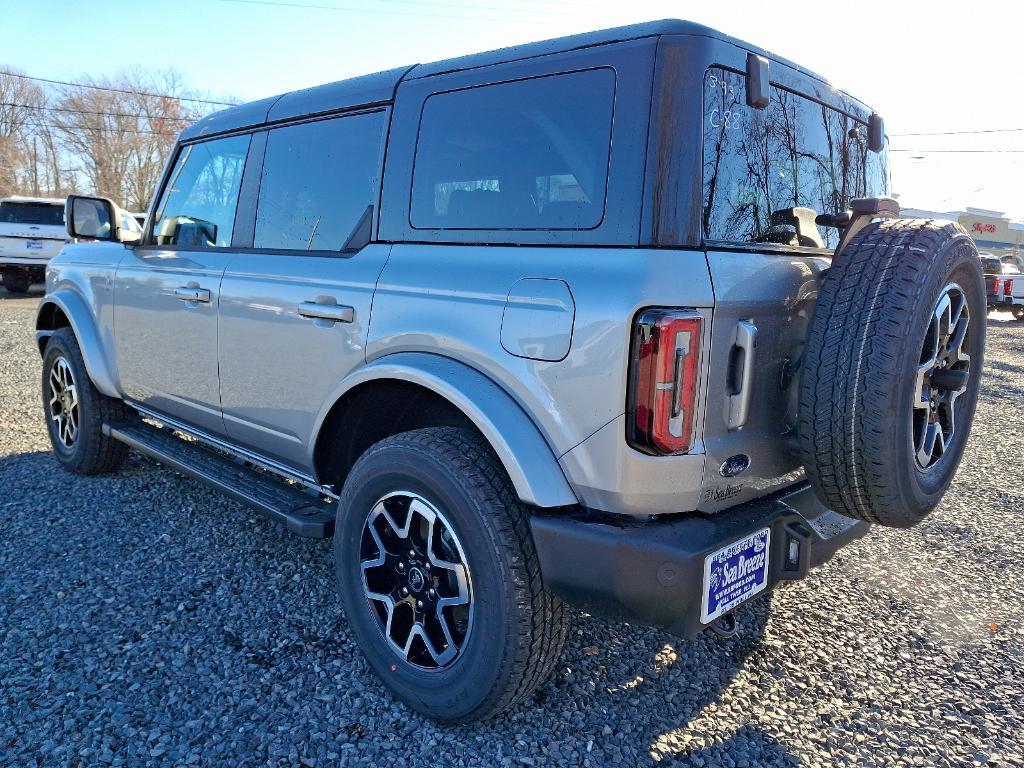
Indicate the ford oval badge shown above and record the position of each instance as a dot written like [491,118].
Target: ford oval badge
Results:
[735,465]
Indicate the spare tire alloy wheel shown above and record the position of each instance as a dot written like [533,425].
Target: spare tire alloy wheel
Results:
[942,377]
[416,580]
[63,403]
[891,372]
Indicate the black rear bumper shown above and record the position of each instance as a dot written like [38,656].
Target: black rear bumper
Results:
[652,573]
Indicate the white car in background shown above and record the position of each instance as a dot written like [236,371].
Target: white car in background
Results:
[1013,284]
[31,233]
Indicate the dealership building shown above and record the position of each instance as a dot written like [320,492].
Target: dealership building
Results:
[993,231]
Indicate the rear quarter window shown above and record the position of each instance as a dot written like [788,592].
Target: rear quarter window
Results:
[757,163]
[520,155]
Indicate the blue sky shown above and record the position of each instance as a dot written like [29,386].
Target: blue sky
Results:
[926,67]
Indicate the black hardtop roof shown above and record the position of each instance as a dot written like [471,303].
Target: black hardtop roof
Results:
[380,87]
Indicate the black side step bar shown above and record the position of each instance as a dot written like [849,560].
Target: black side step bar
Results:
[298,509]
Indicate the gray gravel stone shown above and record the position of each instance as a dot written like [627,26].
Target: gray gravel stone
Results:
[146,620]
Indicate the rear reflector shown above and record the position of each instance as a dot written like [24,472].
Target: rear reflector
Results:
[663,381]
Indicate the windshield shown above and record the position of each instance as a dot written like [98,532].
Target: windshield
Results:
[46,214]
[761,164]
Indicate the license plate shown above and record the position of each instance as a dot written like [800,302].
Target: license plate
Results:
[34,245]
[735,574]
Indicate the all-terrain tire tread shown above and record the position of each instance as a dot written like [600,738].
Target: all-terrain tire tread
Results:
[854,344]
[541,617]
[97,453]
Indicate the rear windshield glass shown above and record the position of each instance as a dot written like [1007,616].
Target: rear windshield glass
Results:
[760,164]
[32,213]
[530,154]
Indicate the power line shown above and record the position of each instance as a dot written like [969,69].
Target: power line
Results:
[474,7]
[960,133]
[36,123]
[962,151]
[581,6]
[139,115]
[117,90]
[350,9]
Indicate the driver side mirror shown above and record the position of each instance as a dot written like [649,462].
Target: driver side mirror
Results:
[95,218]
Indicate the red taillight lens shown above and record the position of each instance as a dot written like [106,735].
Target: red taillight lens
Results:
[663,381]
[997,286]
[1007,286]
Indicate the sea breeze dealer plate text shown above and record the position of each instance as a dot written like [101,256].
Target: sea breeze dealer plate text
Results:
[734,574]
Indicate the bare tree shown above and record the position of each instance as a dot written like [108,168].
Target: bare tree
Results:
[163,116]
[19,102]
[106,136]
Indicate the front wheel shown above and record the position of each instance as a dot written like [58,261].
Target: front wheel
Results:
[76,411]
[440,578]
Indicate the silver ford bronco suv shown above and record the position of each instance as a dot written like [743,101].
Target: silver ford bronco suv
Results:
[623,321]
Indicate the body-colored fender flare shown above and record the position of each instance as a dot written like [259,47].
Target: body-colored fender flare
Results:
[520,446]
[84,325]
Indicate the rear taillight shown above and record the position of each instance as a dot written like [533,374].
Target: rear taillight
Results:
[997,286]
[1008,286]
[663,381]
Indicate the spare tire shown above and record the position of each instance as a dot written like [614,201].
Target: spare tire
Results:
[891,370]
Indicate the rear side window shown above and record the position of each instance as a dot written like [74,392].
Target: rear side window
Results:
[31,213]
[759,164]
[319,184]
[197,209]
[528,154]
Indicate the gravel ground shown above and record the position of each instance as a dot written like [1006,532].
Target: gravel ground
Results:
[146,620]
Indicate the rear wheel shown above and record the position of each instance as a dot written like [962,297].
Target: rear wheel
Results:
[440,579]
[1018,313]
[891,372]
[76,411]
[17,282]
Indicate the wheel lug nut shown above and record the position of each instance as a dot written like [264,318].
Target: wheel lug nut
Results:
[419,603]
[401,566]
[432,593]
[412,553]
[405,590]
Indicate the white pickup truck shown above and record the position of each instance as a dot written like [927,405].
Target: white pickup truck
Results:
[31,233]
[1013,284]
